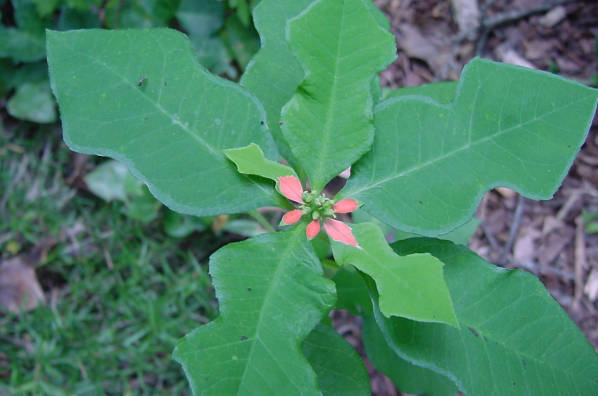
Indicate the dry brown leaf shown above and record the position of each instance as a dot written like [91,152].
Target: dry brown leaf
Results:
[18,284]
[506,192]
[553,17]
[433,50]
[509,55]
[525,246]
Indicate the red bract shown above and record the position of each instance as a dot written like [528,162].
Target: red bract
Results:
[291,188]
[340,232]
[313,229]
[345,206]
[319,208]
[292,217]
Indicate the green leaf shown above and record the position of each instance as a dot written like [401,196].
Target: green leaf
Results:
[339,368]
[352,295]
[201,17]
[243,227]
[271,295]
[351,292]
[514,338]
[433,162]
[33,102]
[328,122]
[460,235]
[180,226]
[250,160]
[442,92]
[140,96]
[46,7]
[274,73]
[202,20]
[242,41]
[142,206]
[410,286]
[111,181]
[161,11]
[77,19]
[20,45]
[407,377]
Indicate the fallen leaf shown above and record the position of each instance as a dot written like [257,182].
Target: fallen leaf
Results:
[18,282]
[525,246]
[553,17]
[509,55]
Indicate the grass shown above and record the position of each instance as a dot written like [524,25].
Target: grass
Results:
[121,293]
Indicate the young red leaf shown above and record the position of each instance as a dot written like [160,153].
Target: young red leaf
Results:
[312,229]
[340,232]
[345,206]
[291,188]
[292,217]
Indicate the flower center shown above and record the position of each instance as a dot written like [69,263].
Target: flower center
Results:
[318,206]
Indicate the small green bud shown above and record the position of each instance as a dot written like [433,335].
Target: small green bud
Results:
[315,215]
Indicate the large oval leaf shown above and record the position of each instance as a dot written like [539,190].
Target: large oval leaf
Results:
[342,45]
[141,97]
[508,126]
[514,338]
[271,294]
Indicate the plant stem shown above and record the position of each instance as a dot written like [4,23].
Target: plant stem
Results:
[262,220]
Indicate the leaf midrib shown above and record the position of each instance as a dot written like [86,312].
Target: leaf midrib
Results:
[174,120]
[285,255]
[325,146]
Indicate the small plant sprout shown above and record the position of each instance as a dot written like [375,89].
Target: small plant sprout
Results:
[318,208]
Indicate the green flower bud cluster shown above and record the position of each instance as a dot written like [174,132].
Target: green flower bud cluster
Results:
[317,205]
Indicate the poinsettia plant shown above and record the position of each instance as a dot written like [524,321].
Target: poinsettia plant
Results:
[437,318]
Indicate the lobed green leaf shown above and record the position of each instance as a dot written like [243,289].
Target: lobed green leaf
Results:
[339,367]
[250,160]
[273,74]
[407,377]
[410,286]
[140,96]
[271,294]
[514,338]
[328,122]
[431,163]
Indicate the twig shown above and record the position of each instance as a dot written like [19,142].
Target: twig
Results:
[489,24]
[489,236]
[580,261]
[514,227]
